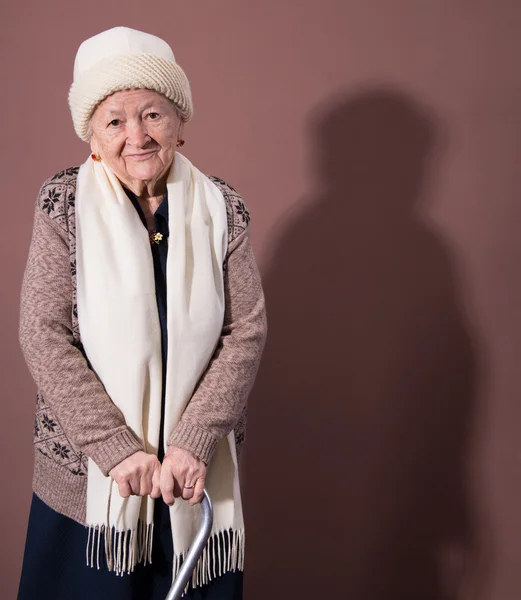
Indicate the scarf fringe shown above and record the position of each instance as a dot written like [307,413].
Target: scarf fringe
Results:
[224,552]
[123,551]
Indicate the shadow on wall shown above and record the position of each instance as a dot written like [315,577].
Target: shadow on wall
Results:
[362,413]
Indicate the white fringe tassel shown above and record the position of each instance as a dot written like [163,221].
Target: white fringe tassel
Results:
[123,549]
[223,553]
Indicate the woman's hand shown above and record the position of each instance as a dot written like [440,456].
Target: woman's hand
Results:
[182,474]
[138,475]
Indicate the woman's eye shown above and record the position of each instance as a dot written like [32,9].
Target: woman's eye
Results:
[153,116]
[115,123]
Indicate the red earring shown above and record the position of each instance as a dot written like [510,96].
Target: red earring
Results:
[96,157]
[180,143]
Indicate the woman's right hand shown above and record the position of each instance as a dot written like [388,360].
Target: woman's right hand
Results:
[138,475]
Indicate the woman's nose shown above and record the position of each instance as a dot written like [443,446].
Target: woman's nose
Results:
[137,134]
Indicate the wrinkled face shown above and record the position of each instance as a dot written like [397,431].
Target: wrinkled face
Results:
[135,132]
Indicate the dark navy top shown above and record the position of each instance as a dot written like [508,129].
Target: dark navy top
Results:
[159,257]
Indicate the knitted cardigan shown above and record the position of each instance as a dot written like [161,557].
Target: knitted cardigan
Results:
[75,418]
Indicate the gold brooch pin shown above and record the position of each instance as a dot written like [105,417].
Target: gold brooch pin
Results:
[156,238]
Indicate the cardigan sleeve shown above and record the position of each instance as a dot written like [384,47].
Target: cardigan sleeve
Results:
[62,374]
[220,398]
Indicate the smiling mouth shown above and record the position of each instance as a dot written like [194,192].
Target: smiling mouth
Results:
[141,156]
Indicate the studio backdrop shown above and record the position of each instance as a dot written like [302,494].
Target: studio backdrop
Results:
[377,145]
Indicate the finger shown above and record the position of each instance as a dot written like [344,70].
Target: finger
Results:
[124,488]
[156,482]
[167,483]
[145,484]
[179,483]
[198,491]
[135,483]
[178,488]
[188,491]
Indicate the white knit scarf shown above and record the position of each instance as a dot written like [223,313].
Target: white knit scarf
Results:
[120,331]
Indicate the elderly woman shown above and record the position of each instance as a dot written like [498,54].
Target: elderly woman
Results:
[142,324]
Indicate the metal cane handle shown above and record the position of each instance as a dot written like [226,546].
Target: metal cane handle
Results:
[188,566]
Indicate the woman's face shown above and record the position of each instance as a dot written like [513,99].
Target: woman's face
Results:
[135,132]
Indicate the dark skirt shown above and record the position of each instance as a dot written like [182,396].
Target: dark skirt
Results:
[54,566]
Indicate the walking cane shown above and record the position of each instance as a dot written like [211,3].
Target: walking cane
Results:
[188,566]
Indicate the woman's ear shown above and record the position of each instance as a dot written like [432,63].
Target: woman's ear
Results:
[94,145]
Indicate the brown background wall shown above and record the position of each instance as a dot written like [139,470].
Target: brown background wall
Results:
[378,145]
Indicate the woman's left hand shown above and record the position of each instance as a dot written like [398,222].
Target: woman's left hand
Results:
[182,475]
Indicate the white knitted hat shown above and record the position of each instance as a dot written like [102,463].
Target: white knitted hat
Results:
[124,59]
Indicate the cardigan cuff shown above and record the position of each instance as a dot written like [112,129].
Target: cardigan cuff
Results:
[109,453]
[199,442]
